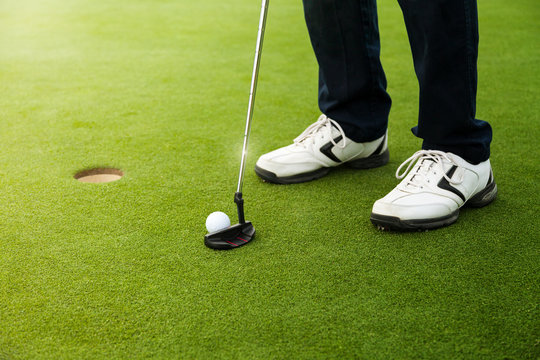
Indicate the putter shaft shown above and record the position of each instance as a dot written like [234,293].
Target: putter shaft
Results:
[254,79]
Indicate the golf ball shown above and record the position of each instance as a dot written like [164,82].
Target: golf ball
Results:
[217,221]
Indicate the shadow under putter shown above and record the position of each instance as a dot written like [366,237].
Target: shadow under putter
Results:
[242,233]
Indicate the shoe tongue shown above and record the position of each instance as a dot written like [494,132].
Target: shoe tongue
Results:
[309,133]
[323,128]
[419,173]
[334,130]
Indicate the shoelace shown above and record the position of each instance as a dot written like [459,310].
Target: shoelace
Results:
[436,158]
[324,123]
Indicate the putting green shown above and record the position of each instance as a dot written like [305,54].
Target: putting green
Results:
[158,89]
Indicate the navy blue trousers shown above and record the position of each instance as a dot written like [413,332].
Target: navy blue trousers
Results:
[443,35]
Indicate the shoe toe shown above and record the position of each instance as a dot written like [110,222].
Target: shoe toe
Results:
[414,207]
[286,162]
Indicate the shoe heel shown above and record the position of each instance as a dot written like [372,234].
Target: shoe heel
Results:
[484,197]
[372,161]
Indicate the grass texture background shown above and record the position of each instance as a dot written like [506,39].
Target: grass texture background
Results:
[159,89]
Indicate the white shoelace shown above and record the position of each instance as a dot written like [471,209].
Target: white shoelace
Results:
[323,127]
[436,157]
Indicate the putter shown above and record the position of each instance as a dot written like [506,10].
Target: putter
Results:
[242,233]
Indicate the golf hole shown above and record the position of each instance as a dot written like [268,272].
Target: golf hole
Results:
[99,175]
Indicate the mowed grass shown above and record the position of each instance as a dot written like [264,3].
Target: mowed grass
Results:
[159,89]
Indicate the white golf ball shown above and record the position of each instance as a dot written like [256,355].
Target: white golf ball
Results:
[217,221]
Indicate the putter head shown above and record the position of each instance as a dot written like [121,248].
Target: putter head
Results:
[230,238]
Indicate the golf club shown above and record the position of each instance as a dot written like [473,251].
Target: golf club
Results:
[243,232]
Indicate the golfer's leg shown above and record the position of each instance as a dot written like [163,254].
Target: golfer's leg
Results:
[453,169]
[352,84]
[352,96]
[444,40]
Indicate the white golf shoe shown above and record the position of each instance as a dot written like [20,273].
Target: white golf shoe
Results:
[435,186]
[320,147]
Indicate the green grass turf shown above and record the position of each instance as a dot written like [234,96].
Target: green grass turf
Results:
[159,89]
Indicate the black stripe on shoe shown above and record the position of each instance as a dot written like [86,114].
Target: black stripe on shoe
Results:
[326,149]
[445,185]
